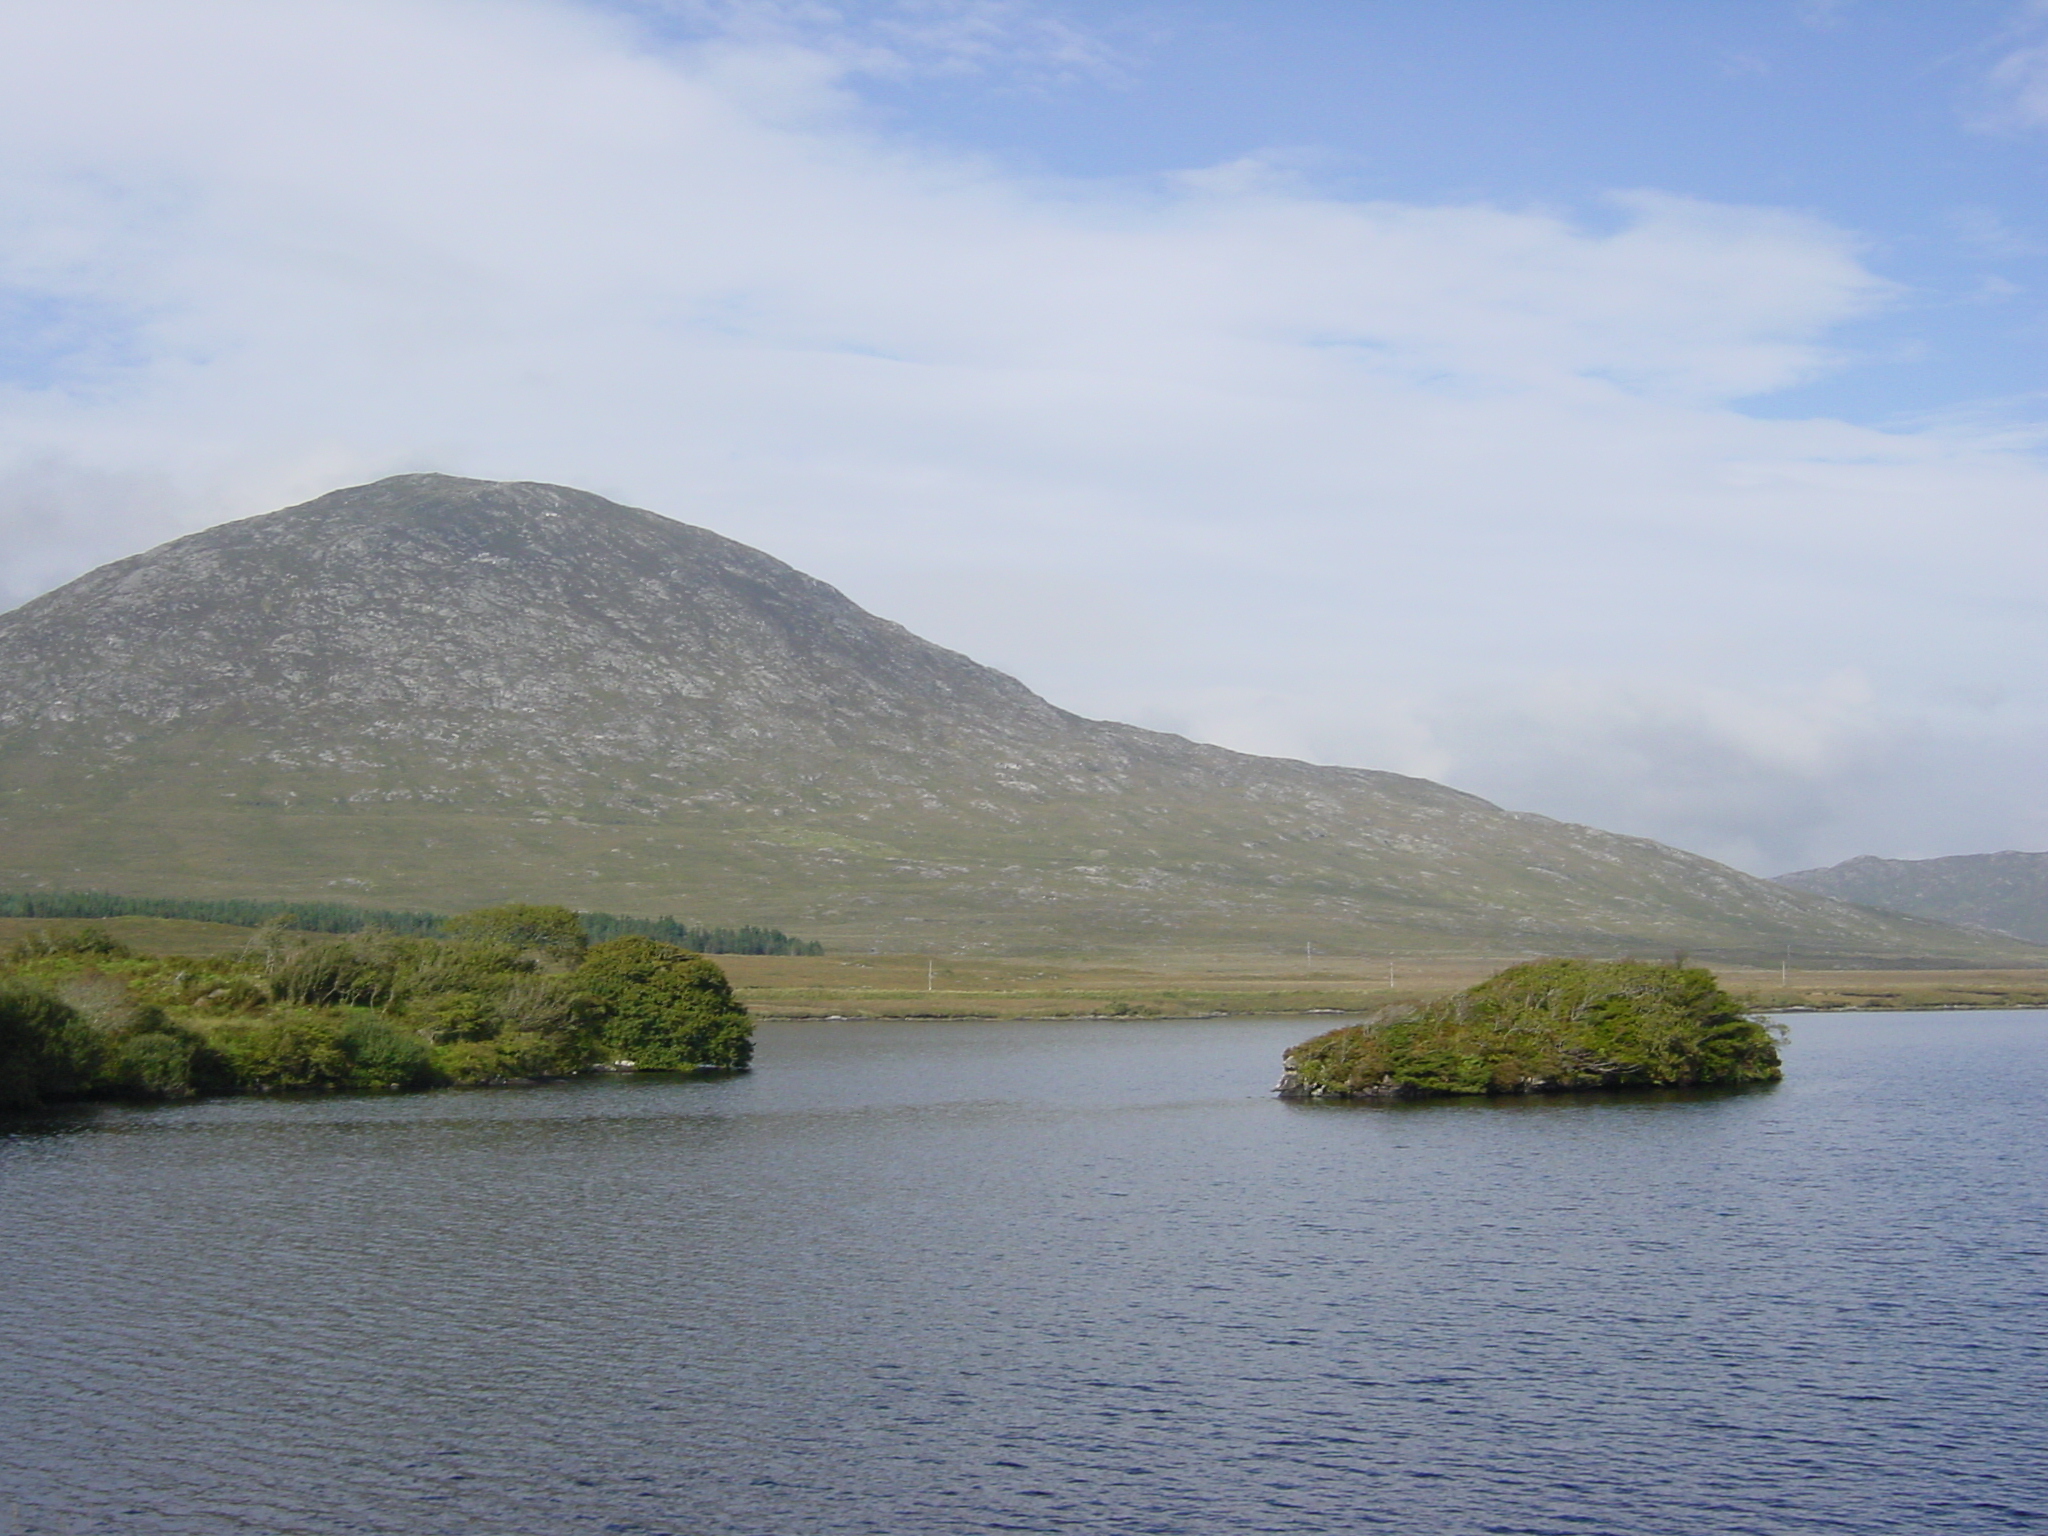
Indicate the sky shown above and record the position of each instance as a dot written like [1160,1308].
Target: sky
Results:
[1632,413]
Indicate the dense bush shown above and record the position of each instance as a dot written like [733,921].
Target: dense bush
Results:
[82,1017]
[89,940]
[423,968]
[1546,1026]
[554,932]
[148,1055]
[50,1049]
[40,1047]
[667,1009]
[308,1051]
[344,972]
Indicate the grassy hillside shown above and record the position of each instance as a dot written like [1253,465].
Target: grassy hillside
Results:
[2005,893]
[1322,857]
[435,693]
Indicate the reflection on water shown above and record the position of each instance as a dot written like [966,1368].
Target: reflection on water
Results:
[922,1278]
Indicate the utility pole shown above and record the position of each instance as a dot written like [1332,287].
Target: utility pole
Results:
[931,974]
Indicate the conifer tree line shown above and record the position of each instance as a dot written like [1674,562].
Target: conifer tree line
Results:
[340,917]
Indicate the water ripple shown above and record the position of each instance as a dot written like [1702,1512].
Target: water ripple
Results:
[917,1280]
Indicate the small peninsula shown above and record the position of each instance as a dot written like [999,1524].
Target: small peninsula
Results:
[1548,1026]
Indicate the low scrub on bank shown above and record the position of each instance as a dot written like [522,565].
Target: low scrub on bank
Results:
[520,994]
[1548,1026]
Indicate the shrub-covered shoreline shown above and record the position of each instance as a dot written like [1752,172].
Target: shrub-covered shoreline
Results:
[1550,1026]
[517,993]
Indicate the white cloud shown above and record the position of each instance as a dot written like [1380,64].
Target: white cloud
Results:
[2020,80]
[1021,43]
[2016,87]
[1821,15]
[1456,489]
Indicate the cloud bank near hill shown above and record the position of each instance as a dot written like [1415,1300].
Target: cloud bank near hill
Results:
[1456,489]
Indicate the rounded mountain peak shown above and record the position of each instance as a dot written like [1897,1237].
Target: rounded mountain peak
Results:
[439,688]
[485,618]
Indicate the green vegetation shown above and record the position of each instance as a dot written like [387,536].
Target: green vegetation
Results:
[550,931]
[743,940]
[2006,893]
[339,917]
[665,1007]
[1547,1026]
[932,804]
[516,995]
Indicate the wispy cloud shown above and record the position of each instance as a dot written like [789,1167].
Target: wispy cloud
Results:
[1822,15]
[2015,92]
[1988,232]
[1010,40]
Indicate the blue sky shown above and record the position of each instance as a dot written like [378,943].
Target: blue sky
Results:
[1630,412]
[1880,117]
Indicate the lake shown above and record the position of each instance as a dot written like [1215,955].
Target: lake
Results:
[1091,1276]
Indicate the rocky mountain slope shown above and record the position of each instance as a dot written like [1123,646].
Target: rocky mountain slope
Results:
[2002,892]
[441,691]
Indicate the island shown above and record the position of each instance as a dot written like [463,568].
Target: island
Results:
[514,993]
[1548,1026]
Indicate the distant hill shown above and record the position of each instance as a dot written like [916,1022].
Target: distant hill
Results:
[2002,892]
[438,692]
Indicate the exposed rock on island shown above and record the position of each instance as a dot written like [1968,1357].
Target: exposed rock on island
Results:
[1550,1026]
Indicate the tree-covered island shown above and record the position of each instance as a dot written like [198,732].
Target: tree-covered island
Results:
[1549,1026]
[515,993]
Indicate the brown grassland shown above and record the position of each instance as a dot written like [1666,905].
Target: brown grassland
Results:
[905,986]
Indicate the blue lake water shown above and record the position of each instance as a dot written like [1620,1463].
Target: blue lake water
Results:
[966,1278]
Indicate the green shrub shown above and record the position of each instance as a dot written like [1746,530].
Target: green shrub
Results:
[383,1055]
[527,1054]
[294,1053]
[361,972]
[444,1017]
[46,1049]
[1548,1025]
[145,1054]
[85,1018]
[556,1007]
[302,1053]
[426,967]
[469,1062]
[151,1067]
[555,932]
[89,940]
[213,993]
[668,1009]
[514,1056]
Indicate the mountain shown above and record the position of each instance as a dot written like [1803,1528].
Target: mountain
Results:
[439,692]
[2001,892]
